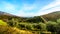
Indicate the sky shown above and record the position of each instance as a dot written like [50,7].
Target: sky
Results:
[29,8]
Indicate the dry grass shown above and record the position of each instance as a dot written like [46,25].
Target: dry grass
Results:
[12,30]
[22,31]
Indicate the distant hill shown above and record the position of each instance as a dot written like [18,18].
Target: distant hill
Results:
[7,14]
[47,17]
[4,13]
[52,16]
[6,17]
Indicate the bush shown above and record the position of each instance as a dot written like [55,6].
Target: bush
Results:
[42,26]
[51,26]
[21,26]
[58,20]
[58,28]
[29,26]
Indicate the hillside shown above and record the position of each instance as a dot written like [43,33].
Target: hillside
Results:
[7,17]
[52,16]
[48,17]
[45,24]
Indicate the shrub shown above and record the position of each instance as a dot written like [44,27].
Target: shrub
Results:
[51,26]
[58,20]
[21,26]
[42,26]
[29,26]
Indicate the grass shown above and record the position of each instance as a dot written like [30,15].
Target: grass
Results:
[2,22]
[23,31]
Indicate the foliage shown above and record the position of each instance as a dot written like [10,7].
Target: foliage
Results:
[58,20]
[49,23]
[2,22]
[29,27]
[45,32]
[51,26]
[42,26]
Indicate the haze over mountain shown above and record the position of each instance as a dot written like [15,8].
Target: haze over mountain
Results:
[7,14]
[49,14]
[48,17]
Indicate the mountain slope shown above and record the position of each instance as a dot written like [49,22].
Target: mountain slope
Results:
[3,13]
[7,17]
[52,16]
[48,17]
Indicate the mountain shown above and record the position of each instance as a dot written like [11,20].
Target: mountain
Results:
[7,17]
[7,14]
[47,17]
[52,16]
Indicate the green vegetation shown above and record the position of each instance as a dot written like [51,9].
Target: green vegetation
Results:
[34,25]
[2,22]
[50,27]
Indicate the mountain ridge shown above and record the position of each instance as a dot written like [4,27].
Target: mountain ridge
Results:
[52,16]
[48,17]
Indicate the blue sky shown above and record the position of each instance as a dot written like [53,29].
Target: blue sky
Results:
[28,8]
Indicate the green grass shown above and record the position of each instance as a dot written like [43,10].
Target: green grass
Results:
[2,22]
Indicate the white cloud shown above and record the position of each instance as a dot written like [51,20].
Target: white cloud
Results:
[57,8]
[53,6]
[24,14]
[9,8]
[26,7]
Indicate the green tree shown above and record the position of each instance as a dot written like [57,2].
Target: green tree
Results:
[58,20]
[42,26]
[58,26]
[51,26]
